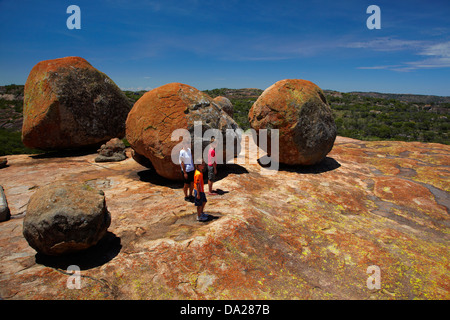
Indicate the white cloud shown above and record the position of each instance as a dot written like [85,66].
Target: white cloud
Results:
[136,89]
[438,54]
[380,67]
[439,49]
[386,44]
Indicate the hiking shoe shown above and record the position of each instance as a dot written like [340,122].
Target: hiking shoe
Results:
[203,217]
[187,199]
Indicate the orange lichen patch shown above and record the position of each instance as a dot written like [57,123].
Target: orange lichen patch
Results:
[345,199]
[409,194]
[355,154]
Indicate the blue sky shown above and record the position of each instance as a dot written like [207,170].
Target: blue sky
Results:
[237,44]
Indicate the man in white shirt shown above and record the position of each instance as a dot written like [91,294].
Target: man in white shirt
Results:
[188,170]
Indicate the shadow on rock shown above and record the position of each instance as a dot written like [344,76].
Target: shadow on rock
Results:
[221,192]
[211,217]
[327,164]
[104,251]
[66,153]
[153,177]
[223,170]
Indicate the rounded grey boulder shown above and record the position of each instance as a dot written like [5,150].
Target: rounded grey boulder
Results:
[65,217]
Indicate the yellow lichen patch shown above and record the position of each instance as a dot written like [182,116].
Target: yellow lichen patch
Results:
[437,177]
[409,194]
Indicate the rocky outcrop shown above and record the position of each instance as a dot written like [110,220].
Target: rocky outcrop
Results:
[225,104]
[161,111]
[65,217]
[70,104]
[113,150]
[299,110]
[302,233]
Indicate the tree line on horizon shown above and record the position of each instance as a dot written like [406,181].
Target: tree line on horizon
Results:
[357,115]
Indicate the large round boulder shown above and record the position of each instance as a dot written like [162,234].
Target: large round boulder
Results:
[70,104]
[157,115]
[299,110]
[65,217]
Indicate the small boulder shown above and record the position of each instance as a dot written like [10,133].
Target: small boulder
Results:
[299,110]
[65,217]
[113,150]
[3,162]
[5,214]
[225,104]
[69,104]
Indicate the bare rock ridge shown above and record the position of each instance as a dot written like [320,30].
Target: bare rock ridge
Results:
[70,104]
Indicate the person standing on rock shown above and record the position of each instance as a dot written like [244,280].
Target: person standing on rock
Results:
[199,193]
[187,168]
[212,166]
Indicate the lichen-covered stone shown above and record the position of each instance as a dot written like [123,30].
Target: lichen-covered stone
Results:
[161,111]
[65,217]
[70,104]
[225,104]
[113,150]
[299,110]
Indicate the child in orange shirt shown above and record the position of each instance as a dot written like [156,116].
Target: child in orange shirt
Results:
[199,192]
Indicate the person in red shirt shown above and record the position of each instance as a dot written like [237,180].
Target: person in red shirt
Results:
[199,192]
[212,167]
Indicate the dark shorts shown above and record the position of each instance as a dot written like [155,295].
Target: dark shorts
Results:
[211,175]
[201,201]
[190,177]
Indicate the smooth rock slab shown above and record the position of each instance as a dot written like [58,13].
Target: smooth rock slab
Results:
[65,217]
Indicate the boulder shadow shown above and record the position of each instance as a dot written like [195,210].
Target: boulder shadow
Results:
[223,170]
[104,251]
[327,164]
[66,153]
[151,176]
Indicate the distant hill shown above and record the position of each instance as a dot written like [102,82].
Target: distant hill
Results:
[255,93]
[414,98]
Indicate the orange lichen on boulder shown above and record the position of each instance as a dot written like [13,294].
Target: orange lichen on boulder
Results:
[70,104]
[161,111]
[299,110]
